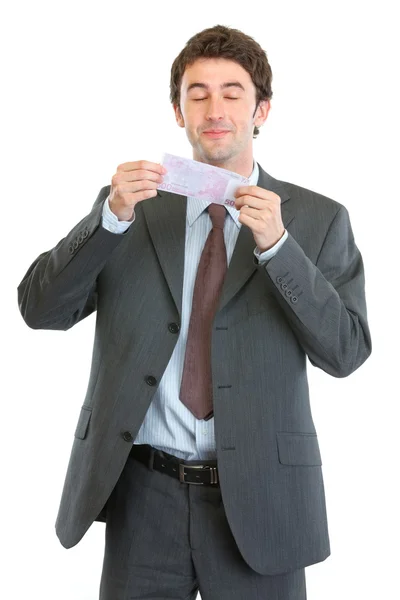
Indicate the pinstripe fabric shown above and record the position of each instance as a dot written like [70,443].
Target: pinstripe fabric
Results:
[168,424]
[307,302]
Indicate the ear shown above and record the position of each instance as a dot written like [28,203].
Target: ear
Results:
[262,112]
[178,115]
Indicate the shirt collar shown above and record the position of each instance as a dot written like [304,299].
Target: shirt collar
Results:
[195,206]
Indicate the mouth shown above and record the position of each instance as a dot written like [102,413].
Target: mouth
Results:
[216,133]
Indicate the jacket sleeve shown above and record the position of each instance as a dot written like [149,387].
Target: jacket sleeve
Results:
[60,287]
[325,302]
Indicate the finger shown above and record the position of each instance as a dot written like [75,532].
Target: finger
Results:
[251,201]
[133,186]
[139,174]
[253,190]
[142,195]
[256,192]
[254,213]
[246,219]
[142,164]
[241,191]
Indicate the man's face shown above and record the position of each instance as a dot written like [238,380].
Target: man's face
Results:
[218,94]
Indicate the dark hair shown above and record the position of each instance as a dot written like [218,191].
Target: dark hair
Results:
[224,42]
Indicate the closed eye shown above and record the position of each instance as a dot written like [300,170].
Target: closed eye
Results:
[227,98]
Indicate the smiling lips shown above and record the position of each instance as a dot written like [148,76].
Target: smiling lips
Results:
[216,133]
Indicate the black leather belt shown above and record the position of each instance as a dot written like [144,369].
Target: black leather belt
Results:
[205,473]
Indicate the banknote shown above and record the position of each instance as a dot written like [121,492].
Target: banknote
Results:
[189,177]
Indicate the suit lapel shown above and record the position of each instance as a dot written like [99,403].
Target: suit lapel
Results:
[166,221]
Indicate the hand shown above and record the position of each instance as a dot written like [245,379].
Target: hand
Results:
[132,183]
[260,210]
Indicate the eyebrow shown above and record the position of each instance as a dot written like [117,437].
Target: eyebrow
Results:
[223,86]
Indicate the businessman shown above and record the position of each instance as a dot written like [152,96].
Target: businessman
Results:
[195,443]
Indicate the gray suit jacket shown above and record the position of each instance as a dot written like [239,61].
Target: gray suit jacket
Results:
[307,301]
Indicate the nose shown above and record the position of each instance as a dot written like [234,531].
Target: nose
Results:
[215,109]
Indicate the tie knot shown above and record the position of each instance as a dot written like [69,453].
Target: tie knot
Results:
[217,213]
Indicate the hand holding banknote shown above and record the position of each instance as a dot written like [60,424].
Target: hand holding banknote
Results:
[132,183]
[260,210]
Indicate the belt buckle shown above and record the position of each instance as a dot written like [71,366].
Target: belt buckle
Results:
[214,476]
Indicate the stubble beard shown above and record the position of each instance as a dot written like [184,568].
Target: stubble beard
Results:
[215,154]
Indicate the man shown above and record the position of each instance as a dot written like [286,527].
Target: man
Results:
[195,442]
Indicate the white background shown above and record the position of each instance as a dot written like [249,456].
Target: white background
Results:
[85,88]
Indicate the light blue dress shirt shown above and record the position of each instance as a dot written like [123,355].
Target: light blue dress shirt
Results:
[168,424]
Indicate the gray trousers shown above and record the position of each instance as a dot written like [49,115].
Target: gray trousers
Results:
[167,539]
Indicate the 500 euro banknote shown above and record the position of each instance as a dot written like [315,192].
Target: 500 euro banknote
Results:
[189,177]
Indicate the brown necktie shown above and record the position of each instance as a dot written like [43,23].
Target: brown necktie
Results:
[196,385]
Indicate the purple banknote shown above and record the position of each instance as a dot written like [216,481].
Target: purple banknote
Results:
[189,177]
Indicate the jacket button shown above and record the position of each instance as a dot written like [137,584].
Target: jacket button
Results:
[80,238]
[85,233]
[293,299]
[71,249]
[284,286]
[150,380]
[127,436]
[279,279]
[173,327]
[288,293]
[75,244]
